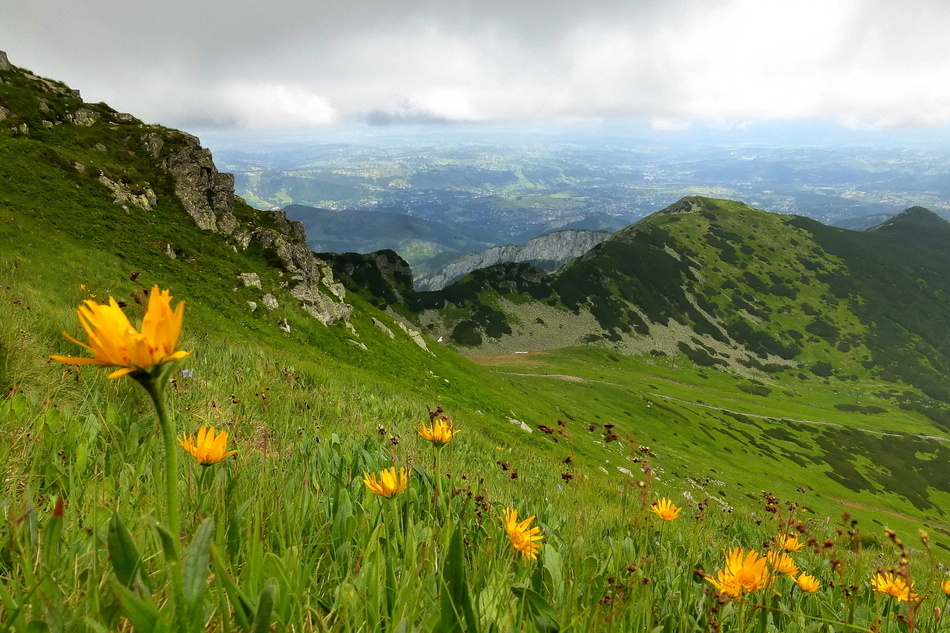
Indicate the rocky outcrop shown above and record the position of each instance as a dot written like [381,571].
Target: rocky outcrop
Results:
[123,194]
[206,194]
[312,275]
[547,251]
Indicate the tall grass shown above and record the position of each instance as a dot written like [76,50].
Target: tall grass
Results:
[285,535]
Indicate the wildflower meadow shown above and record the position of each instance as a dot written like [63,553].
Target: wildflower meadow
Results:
[279,506]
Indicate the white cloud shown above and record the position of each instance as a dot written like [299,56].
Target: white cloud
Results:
[266,105]
[314,62]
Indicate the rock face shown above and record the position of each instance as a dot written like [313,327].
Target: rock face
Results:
[4,62]
[547,251]
[206,194]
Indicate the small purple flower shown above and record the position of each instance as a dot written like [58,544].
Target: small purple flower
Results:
[187,373]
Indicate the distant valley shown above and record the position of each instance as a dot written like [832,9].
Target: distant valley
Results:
[502,192]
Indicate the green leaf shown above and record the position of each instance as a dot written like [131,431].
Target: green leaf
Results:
[165,536]
[265,605]
[52,535]
[243,608]
[143,615]
[545,618]
[195,569]
[455,600]
[125,558]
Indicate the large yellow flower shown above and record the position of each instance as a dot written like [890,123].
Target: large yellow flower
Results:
[789,542]
[807,582]
[440,433]
[115,343]
[388,483]
[743,573]
[945,586]
[894,586]
[665,509]
[207,447]
[523,538]
[781,563]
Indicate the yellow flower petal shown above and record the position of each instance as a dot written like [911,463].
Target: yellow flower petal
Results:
[206,447]
[440,433]
[387,483]
[523,538]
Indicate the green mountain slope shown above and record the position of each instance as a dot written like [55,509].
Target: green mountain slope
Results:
[732,287]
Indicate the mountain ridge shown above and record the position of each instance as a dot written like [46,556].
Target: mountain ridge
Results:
[547,251]
[730,286]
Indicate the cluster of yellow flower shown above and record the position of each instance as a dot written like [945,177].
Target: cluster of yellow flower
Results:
[748,572]
[387,483]
[897,586]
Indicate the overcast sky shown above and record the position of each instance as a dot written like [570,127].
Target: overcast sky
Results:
[672,63]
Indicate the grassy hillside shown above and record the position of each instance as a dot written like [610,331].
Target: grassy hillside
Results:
[286,536]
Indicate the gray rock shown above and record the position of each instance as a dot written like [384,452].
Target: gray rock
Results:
[83,117]
[4,62]
[170,251]
[206,195]
[414,335]
[122,194]
[357,343]
[270,301]
[23,129]
[557,247]
[382,326]
[79,167]
[284,325]
[49,125]
[250,280]
[43,105]
[3,113]
[153,144]
[102,148]
[252,305]
[521,425]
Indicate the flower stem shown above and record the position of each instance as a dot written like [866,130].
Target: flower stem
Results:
[171,455]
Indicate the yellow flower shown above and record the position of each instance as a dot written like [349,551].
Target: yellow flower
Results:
[743,573]
[894,586]
[789,542]
[388,483]
[807,583]
[665,509]
[522,538]
[207,447]
[440,433]
[781,563]
[945,585]
[115,343]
